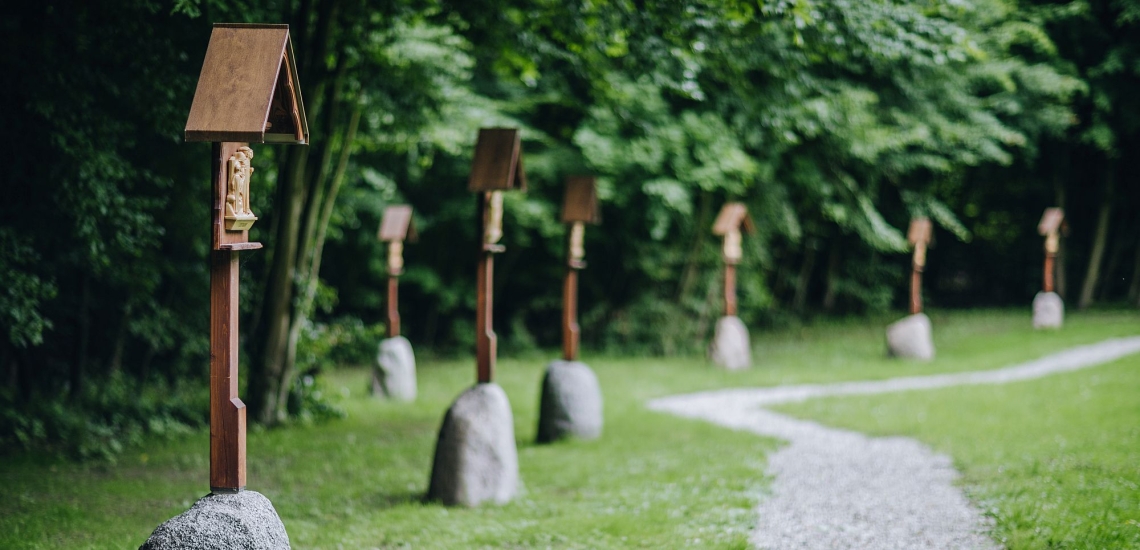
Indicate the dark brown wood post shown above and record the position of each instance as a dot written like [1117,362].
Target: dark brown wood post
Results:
[579,207]
[730,222]
[918,235]
[247,92]
[729,289]
[496,167]
[915,288]
[227,412]
[1050,227]
[393,306]
[570,331]
[485,339]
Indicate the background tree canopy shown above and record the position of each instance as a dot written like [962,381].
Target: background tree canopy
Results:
[835,121]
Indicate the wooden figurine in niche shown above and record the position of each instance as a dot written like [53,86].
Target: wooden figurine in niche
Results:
[1048,307]
[911,336]
[394,375]
[239,217]
[571,403]
[476,466]
[730,347]
[247,69]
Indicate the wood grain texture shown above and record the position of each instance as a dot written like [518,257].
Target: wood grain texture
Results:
[497,165]
[223,239]
[247,89]
[580,203]
[227,412]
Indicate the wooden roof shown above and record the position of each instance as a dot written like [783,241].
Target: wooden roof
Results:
[580,203]
[397,224]
[248,89]
[497,165]
[731,216]
[919,231]
[1051,221]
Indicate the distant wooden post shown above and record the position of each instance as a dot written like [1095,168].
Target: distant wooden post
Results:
[247,93]
[497,167]
[918,235]
[733,217]
[1050,228]
[395,227]
[579,207]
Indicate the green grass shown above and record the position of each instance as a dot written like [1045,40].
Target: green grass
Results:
[1055,461]
[651,481]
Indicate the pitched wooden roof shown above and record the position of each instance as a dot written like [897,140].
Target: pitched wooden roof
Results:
[731,216]
[397,224]
[919,231]
[580,204]
[248,89]
[497,165]
[1051,221]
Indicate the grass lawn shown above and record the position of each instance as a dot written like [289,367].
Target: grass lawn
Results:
[651,481]
[1055,461]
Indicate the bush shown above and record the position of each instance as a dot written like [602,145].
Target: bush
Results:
[110,415]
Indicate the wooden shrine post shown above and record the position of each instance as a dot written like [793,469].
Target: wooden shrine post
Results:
[1050,228]
[732,218]
[395,228]
[579,207]
[918,235]
[497,167]
[247,93]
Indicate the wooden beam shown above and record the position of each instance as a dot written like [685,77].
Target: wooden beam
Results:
[485,340]
[393,306]
[729,289]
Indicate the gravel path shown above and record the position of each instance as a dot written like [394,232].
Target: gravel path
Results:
[837,489]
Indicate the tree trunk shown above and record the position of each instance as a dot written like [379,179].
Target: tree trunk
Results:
[79,364]
[1106,280]
[832,291]
[799,299]
[1059,278]
[1100,242]
[1134,288]
[273,347]
[689,273]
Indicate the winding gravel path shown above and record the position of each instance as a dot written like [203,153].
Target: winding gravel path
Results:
[836,489]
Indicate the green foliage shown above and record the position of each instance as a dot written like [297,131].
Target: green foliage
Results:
[1052,461]
[101,423]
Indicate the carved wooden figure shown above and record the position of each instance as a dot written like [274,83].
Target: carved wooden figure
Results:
[497,167]
[579,207]
[395,227]
[733,217]
[1050,228]
[918,235]
[247,92]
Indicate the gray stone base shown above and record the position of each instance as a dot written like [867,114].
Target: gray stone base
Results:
[394,374]
[730,347]
[1048,310]
[910,338]
[475,458]
[241,521]
[571,403]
